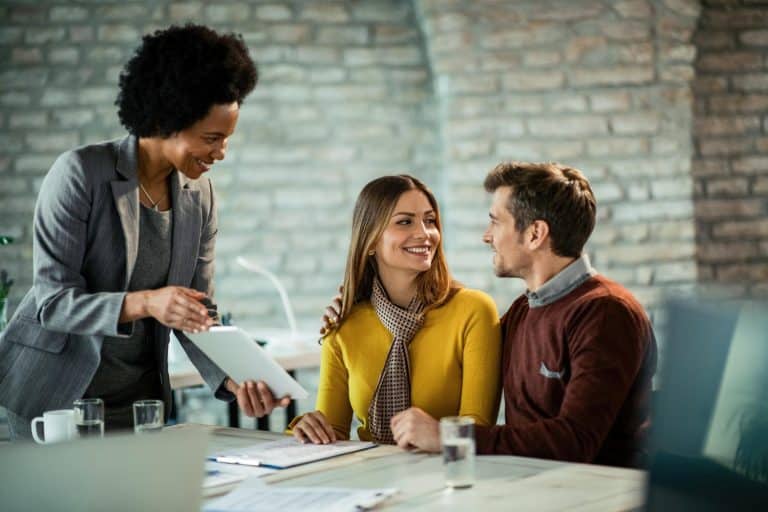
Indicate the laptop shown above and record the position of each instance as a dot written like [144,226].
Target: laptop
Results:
[709,443]
[162,471]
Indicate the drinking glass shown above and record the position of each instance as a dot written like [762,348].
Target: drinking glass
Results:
[148,416]
[457,438]
[89,417]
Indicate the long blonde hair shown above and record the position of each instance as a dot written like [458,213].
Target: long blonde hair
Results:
[373,210]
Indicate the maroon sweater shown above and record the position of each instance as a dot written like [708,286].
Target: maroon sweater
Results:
[577,378]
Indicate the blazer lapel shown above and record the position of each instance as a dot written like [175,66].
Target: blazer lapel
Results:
[126,195]
[186,230]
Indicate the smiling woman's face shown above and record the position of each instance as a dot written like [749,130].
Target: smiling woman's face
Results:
[411,237]
[195,149]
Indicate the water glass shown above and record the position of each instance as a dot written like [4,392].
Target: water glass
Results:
[148,416]
[89,417]
[457,438]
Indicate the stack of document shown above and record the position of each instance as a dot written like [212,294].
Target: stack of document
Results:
[222,478]
[288,452]
[299,499]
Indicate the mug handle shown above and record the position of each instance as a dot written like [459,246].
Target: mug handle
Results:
[35,421]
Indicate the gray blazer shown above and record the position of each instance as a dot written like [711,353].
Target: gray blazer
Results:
[86,231]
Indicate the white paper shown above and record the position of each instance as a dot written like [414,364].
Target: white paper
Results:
[289,452]
[235,352]
[299,499]
[225,474]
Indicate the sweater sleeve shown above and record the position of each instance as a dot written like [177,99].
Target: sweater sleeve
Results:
[481,364]
[607,346]
[333,388]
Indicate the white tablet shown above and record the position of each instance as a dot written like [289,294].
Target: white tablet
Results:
[233,350]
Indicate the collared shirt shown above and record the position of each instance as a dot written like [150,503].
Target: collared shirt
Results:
[562,283]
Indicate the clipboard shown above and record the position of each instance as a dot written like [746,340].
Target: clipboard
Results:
[288,452]
[233,350]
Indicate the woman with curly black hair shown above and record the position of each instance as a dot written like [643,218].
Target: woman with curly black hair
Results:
[124,235]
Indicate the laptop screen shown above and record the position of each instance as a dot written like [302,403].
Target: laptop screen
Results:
[709,444]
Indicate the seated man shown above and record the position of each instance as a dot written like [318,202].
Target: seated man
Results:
[579,351]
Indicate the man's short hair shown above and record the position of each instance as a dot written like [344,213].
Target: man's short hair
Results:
[551,192]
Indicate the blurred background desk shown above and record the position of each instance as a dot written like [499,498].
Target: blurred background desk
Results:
[293,355]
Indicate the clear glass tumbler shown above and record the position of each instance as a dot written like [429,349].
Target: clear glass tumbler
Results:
[457,438]
[148,416]
[89,417]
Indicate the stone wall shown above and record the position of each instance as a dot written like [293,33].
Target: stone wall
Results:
[444,89]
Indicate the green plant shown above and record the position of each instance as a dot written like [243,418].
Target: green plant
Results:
[5,281]
[5,284]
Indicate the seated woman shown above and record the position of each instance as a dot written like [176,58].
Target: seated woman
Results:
[411,343]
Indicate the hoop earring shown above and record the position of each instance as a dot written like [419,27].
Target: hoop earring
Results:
[371,253]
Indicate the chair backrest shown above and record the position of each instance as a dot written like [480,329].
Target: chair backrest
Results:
[709,442]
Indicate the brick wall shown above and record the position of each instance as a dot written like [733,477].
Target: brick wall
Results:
[443,89]
[602,85]
[344,95]
[730,168]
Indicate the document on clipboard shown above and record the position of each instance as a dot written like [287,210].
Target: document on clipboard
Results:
[288,452]
[233,350]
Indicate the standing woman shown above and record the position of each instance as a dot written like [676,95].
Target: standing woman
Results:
[123,241]
[411,345]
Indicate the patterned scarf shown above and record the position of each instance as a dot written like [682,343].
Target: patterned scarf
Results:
[393,392]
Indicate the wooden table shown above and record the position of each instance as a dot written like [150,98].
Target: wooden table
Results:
[502,482]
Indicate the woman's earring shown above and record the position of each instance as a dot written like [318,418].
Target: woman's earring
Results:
[371,253]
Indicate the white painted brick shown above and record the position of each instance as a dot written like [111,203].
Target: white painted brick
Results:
[636,123]
[34,164]
[356,35]
[568,126]
[672,188]
[667,209]
[273,12]
[633,8]
[626,146]
[610,101]
[227,12]
[44,35]
[690,8]
[290,33]
[325,12]
[125,11]
[185,11]
[614,76]
[23,78]
[390,34]
[63,55]
[118,33]
[534,80]
[28,119]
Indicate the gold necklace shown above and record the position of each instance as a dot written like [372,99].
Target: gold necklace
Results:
[154,203]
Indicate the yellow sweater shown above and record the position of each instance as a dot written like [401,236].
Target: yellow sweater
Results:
[455,363]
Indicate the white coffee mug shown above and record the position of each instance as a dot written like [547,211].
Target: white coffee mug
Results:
[57,426]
